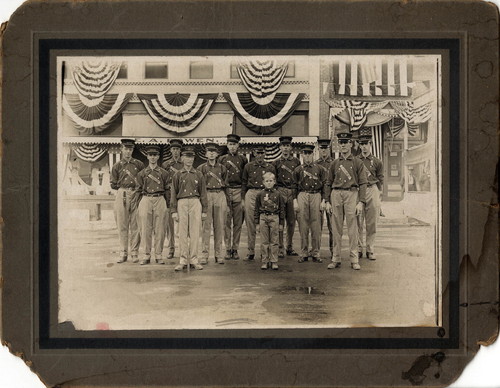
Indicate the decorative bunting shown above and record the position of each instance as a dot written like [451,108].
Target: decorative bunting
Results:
[94,78]
[262,78]
[273,152]
[263,119]
[90,152]
[407,111]
[178,113]
[94,116]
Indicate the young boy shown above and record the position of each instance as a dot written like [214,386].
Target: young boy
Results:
[215,175]
[270,212]
[189,208]
[150,194]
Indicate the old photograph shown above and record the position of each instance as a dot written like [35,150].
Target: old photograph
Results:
[235,192]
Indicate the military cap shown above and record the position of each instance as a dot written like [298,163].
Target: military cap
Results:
[129,143]
[176,143]
[259,150]
[210,146]
[324,143]
[188,150]
[307,148]
[285,139]
[364,139]
[233,138]
[152,149]
[344,136]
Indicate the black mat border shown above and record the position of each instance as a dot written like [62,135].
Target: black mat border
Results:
[46,342]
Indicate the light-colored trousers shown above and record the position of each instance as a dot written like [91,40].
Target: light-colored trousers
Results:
[126,222]
[189,212]
[216,214]
[289,218]
[330,229]
[308,215]
[234,220]
[170,230]
[369,216]
[152,212]
[269,228]
[344,206]
[250,198]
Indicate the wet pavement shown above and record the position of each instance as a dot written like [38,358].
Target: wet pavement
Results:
[398,289]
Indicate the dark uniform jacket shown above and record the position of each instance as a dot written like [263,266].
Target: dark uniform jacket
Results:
[310,178]
[188,184]
[347,173]
[234,165]
[374,170]
[284,171]
[172,167]
[123,174]
[151,182]
[253,175]
[215,176]
[269,201]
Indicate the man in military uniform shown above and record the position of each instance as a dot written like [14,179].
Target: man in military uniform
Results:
[325,160]
[189,208]
[309,194]
[375,177]
[347,182]
[215,175]
[285,166]
[252,184]
[234,163]
[150,192]
[123,179]
[172,166]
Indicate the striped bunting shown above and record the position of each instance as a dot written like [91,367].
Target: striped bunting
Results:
[93,79]
[377,141]
[273,152]
[390,76]
[90,152]
[262,78]
[397,124]
[263,119]
[94,116]
[407,111]
[178,113]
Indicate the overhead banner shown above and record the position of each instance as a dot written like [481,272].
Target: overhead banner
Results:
[263,119]
[94,116]
[94,78]
[262,77]
[178,113]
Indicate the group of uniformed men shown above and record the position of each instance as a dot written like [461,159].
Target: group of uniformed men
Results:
[270,197]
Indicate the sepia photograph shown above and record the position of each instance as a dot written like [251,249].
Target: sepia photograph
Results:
[261,192]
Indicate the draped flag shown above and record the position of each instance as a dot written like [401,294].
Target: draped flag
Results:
[94,116]
[90,152]
[267,118]
[407,111]
[377,141]
[262,77]
[390,76]
[178,113]
[273,152]
[94,78]
[396,125]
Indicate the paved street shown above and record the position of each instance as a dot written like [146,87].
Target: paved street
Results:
[398,289]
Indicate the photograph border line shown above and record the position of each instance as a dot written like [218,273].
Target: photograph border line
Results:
[447,337]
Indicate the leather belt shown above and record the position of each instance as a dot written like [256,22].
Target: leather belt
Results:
[154,195]
[345,189]
[269,213]
[214,190]
[310,191]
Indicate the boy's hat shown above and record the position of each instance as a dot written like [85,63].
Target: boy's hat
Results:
[188,150]
[233,138]
[324,143]
[176,143]
[307,148]
[152,149]
[129,143]
[285,139]
[211,146]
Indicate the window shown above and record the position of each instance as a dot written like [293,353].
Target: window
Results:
[123,73]
[201,70]
[156,70]
[290,73]
[234,71]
